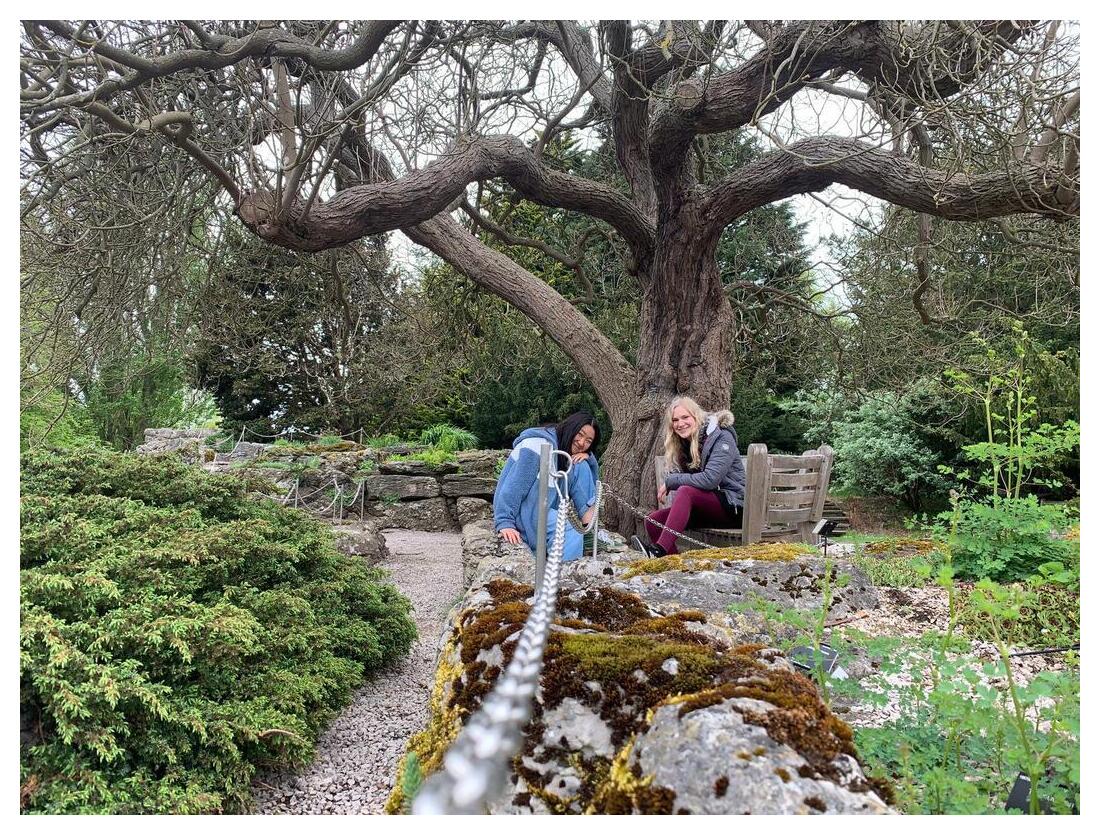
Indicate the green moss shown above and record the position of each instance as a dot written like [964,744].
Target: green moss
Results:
[609,608]
[610,653]
[712,558]
[902,546]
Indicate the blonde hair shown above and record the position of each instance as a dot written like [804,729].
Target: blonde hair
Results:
[672,440]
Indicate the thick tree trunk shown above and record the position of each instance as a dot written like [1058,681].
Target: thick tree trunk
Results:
[685,348]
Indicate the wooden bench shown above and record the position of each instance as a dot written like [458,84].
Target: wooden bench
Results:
[784,497]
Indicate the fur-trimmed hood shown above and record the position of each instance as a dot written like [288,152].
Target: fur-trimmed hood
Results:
[723,419]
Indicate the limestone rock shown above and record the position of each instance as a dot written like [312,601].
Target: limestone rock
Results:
[464,485]
[485,556]
[402,487]
[795,584]
[646,704]
[189,444]
[245,450]
[361,539]
[416,468]
[472,510]
[416,515]
[481,462]
[744,771]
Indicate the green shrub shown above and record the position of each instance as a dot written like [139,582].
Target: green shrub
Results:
[175,634]
[450,438]
[882,444]
[1007,540]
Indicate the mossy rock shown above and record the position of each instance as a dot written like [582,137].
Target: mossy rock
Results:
[711,558]
[611,665]
[902,547]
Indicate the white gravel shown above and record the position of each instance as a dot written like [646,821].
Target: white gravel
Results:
[357,755]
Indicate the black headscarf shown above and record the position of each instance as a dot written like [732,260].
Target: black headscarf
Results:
[569,427]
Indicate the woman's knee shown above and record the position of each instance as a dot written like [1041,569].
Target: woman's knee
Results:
[687,495]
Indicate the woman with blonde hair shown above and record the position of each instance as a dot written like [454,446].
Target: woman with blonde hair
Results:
[705,471]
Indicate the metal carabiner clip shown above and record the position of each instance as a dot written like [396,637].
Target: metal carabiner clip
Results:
[560,476]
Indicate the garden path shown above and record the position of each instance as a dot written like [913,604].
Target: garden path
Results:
[357,755]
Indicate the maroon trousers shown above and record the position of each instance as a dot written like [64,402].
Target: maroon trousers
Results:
[691,507]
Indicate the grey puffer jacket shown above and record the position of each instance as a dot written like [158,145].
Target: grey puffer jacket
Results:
[721,467]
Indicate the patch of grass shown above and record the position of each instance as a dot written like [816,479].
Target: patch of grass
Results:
[895,571]
[450,438]
[382,441]
[284,443]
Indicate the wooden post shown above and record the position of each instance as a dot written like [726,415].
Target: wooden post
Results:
[756,494]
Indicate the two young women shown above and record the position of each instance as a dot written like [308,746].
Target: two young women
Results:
[705,471]
[516,499]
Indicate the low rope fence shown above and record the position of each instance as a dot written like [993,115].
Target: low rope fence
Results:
[475,769]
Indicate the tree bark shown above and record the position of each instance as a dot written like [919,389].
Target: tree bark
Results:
[685,348]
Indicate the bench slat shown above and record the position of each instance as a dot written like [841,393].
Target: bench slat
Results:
[788,517]
[794,479]
[795,462]
[791,498]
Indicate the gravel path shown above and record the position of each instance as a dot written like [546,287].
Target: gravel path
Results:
[357,755]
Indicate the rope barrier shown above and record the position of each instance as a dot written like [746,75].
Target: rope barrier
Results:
[476,766]
[645,517]
[255,434]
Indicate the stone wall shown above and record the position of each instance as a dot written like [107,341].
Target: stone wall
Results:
[397,491]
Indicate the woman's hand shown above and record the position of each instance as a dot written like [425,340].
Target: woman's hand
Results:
[510,535]
[662,492]
[579,456]
[588,514]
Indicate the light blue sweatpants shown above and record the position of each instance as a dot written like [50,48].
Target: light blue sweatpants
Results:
[582,490]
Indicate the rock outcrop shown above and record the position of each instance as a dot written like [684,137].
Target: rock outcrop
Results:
[390,487]
[651,699]
[189,444]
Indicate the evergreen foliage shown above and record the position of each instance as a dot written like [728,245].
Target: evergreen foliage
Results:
[175,634]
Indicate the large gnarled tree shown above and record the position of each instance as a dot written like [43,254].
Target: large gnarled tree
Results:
[321,133]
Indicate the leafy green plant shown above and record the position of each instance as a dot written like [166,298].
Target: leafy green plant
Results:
[956,748]
[175,634]
[1049,615]
[450,438]
[1006,539]
[1016,444]
[382,441]
[434,456]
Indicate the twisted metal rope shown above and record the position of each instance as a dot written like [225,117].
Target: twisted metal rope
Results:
[641,515]
[476,767]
